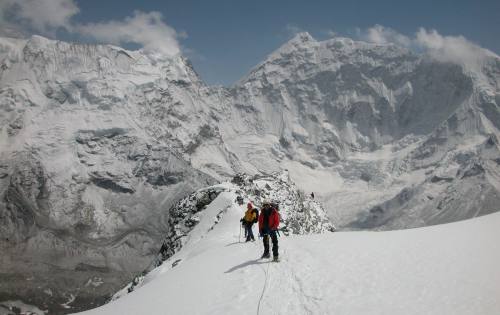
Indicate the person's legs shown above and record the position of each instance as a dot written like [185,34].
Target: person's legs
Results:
[274,238]
[265,239]
[250,232]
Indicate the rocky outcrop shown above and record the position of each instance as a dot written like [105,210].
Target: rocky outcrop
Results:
[299,213]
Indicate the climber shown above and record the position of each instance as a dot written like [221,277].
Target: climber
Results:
[239,199]
[312,195]
[251,217]
[269,221]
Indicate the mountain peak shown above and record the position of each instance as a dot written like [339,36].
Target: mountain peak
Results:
[300,40]
[39,41]
[302,37]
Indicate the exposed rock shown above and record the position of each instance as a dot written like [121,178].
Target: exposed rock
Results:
[472,170]
[113,182]
[436,179]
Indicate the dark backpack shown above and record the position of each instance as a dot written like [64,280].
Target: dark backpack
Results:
[266,213]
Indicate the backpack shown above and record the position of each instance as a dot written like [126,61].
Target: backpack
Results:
[250,216]
[266,213]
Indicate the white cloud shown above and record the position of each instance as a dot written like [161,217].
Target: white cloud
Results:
[455,49]
[146,29]
[45,17]
[40,16]
[11,30]
[383,35]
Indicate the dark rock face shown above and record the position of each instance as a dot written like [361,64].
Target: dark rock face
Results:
[57,218]
[472,170]
[182,220]
[25,201]
[111,182]
[35,242]
[436,179]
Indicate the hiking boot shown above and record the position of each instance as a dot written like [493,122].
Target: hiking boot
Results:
[266,255]
[276,259]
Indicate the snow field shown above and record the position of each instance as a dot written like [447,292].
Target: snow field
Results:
[445,269]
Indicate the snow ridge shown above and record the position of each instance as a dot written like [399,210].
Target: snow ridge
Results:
[299,214]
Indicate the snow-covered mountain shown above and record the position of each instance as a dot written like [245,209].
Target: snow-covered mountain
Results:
[388,139]
[89,165]
[445,269]
[97,143]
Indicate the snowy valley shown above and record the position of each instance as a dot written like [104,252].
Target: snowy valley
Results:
[111,162]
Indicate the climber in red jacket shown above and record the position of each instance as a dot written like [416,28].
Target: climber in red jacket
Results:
[269,221]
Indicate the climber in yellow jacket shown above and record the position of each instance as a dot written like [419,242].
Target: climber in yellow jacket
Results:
[251,217]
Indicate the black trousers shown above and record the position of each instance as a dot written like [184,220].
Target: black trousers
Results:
[248,231]
[274,238]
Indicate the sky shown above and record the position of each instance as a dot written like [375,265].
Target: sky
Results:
[225,39]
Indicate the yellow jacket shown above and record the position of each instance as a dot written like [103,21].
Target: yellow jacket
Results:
[250,216]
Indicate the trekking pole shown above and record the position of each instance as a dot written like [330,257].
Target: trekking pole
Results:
[239,237]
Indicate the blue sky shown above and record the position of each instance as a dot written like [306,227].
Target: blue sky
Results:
[225,39]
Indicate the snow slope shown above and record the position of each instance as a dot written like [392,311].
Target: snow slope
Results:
[444,269]
[299,214]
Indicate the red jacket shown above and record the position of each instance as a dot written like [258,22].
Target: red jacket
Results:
[274,220]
